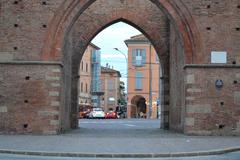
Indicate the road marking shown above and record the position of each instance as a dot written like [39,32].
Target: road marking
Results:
[130,125]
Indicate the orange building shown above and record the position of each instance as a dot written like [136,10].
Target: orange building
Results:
[143,74]
[85,74]
[110,81]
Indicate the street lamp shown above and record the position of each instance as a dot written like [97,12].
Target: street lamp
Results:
[126,68]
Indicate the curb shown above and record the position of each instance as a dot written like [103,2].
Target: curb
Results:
[121,155]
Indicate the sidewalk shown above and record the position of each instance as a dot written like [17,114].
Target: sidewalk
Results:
[118,143]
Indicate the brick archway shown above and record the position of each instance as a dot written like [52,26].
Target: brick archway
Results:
[72,30]
[70,11]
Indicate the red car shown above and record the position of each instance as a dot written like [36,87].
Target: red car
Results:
[111,115]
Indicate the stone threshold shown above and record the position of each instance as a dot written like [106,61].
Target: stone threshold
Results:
[121,155]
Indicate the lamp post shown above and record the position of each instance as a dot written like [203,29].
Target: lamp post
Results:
[126,68]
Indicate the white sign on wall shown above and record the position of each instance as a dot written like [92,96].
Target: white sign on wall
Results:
[218,57]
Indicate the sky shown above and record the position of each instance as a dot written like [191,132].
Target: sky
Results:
[114,37]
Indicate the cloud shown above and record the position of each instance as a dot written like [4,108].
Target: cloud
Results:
[112,55]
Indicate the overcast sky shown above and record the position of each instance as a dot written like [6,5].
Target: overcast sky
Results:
[114,37]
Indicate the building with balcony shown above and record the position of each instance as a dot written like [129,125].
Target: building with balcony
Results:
[89,73]
[143,78]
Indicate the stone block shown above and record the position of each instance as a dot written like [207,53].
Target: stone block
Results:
[54,122]
[6,56]
[53,93]
[3,109]
[194,90]
[199,108]
[49,132]
[48,113]
[238,76]
[190,98]
[237,97]
[191,79]
[55,103]
[55,84]
[52,78]
[189,121]
[56,70]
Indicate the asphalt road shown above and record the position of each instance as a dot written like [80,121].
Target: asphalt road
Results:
[230,156]
[117,136]
[119,124]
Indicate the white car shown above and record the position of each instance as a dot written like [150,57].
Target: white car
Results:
[97,113]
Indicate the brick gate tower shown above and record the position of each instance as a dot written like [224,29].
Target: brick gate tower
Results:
[42,43]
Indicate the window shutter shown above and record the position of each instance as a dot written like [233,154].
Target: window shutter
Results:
[138,80]
[143,56]
[134,53]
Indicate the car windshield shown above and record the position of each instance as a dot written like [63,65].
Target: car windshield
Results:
[97,109]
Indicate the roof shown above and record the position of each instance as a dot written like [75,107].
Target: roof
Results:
[94,46]
[137,39]
[109,70]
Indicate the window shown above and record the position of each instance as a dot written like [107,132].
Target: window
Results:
[138,80]
[86,67]
[110,85]
[138,57]
[86,87]
[82,66]
[111,100]
[157,58]
[81,87]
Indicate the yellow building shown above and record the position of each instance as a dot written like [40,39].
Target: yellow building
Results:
[143,78]
[110,81]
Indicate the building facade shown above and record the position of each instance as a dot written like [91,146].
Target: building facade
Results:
[96,73]
[143,78]
[110,80]
[89,74]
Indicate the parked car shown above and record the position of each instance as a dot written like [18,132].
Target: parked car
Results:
[111,115]
[84,114]
[97,113]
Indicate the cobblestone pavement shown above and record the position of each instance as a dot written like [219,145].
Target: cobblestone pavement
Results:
[117,136]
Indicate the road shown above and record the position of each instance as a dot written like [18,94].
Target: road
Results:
[119,124]
[117,136]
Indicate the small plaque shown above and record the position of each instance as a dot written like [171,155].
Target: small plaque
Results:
[219,57]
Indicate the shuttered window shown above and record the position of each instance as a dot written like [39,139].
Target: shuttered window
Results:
[138,80]
[139,57]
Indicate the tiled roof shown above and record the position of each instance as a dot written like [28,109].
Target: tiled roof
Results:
[109,70]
